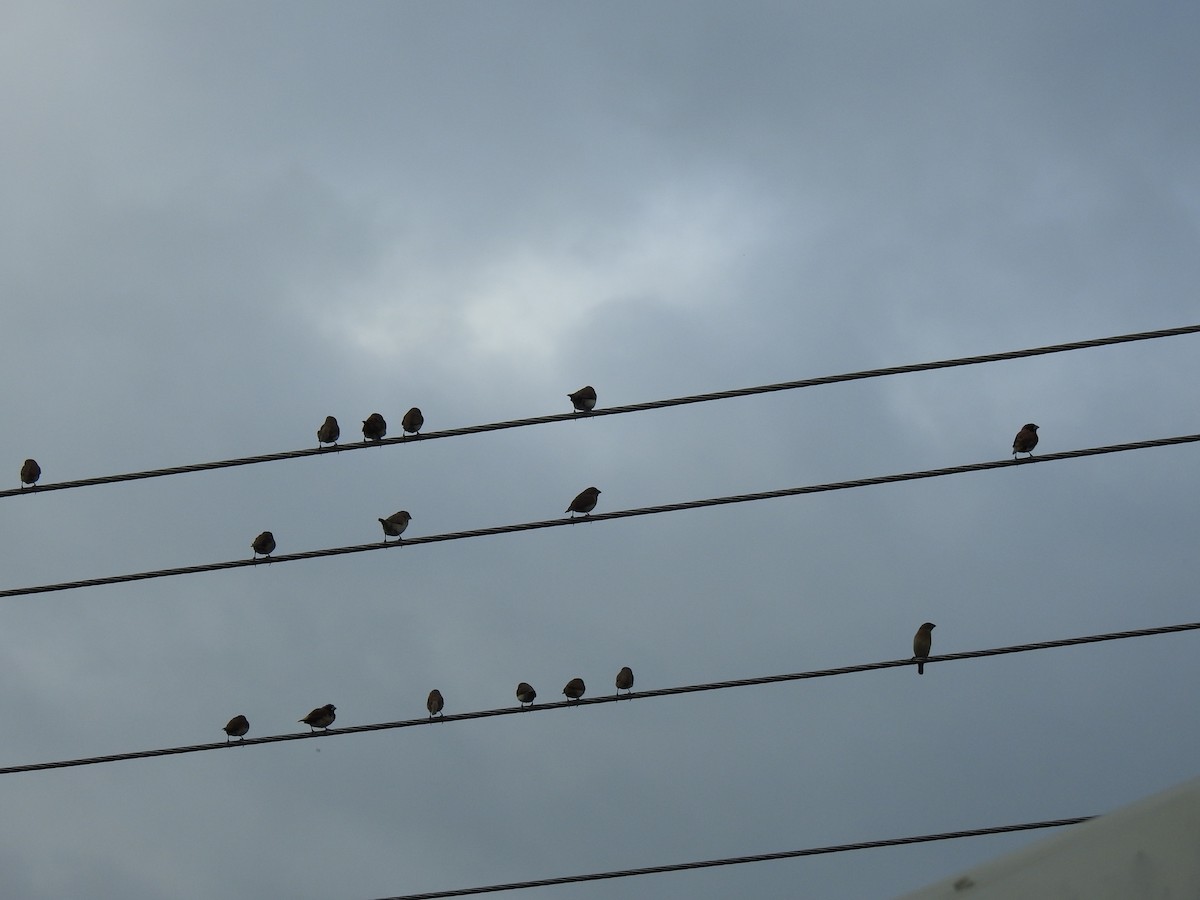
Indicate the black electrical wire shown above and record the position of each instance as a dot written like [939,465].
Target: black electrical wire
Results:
[607,698]
[609,411]
[740,860]
[601,517]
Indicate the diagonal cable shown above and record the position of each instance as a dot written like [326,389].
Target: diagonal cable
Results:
[741,860]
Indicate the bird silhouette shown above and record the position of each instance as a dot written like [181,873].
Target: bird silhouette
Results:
[526,693]
[237,727]
[329,432]
[321,717]
[394,525]
[625,680]
[585,502]
[264,544]
[412,421]
[374,428]
[922,641]
[434,702]
[1025,440]
[30,473]
[574,689]
[584,399]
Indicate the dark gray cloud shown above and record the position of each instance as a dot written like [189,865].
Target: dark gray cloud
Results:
[221,225]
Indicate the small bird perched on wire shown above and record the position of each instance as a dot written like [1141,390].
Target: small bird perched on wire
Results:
[412,421]
[584,399]
[394,525]
[30,473]
[237,728]
[574,689]
[585,502]
[264,544]
[329,432]
[526,693]
[625,680]
[922,642]
[321,717]
[434,702]
[374,428]
[1025,440]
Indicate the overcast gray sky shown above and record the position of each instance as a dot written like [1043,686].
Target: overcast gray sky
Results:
[222,222]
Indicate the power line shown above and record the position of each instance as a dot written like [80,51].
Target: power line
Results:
[607,698]
[610,411]
[739,860]
[601,517]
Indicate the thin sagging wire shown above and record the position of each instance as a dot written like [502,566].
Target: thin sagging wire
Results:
[609,411]
[739,860]
[600,517]
[607,698]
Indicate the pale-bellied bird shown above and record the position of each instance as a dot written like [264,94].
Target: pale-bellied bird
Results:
[526,693]
[394,525]
[584,399]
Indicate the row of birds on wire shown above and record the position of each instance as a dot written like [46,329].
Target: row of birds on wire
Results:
[374,428]
[396,524]
[323,716]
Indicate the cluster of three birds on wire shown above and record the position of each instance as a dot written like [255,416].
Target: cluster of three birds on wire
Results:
[323,716]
